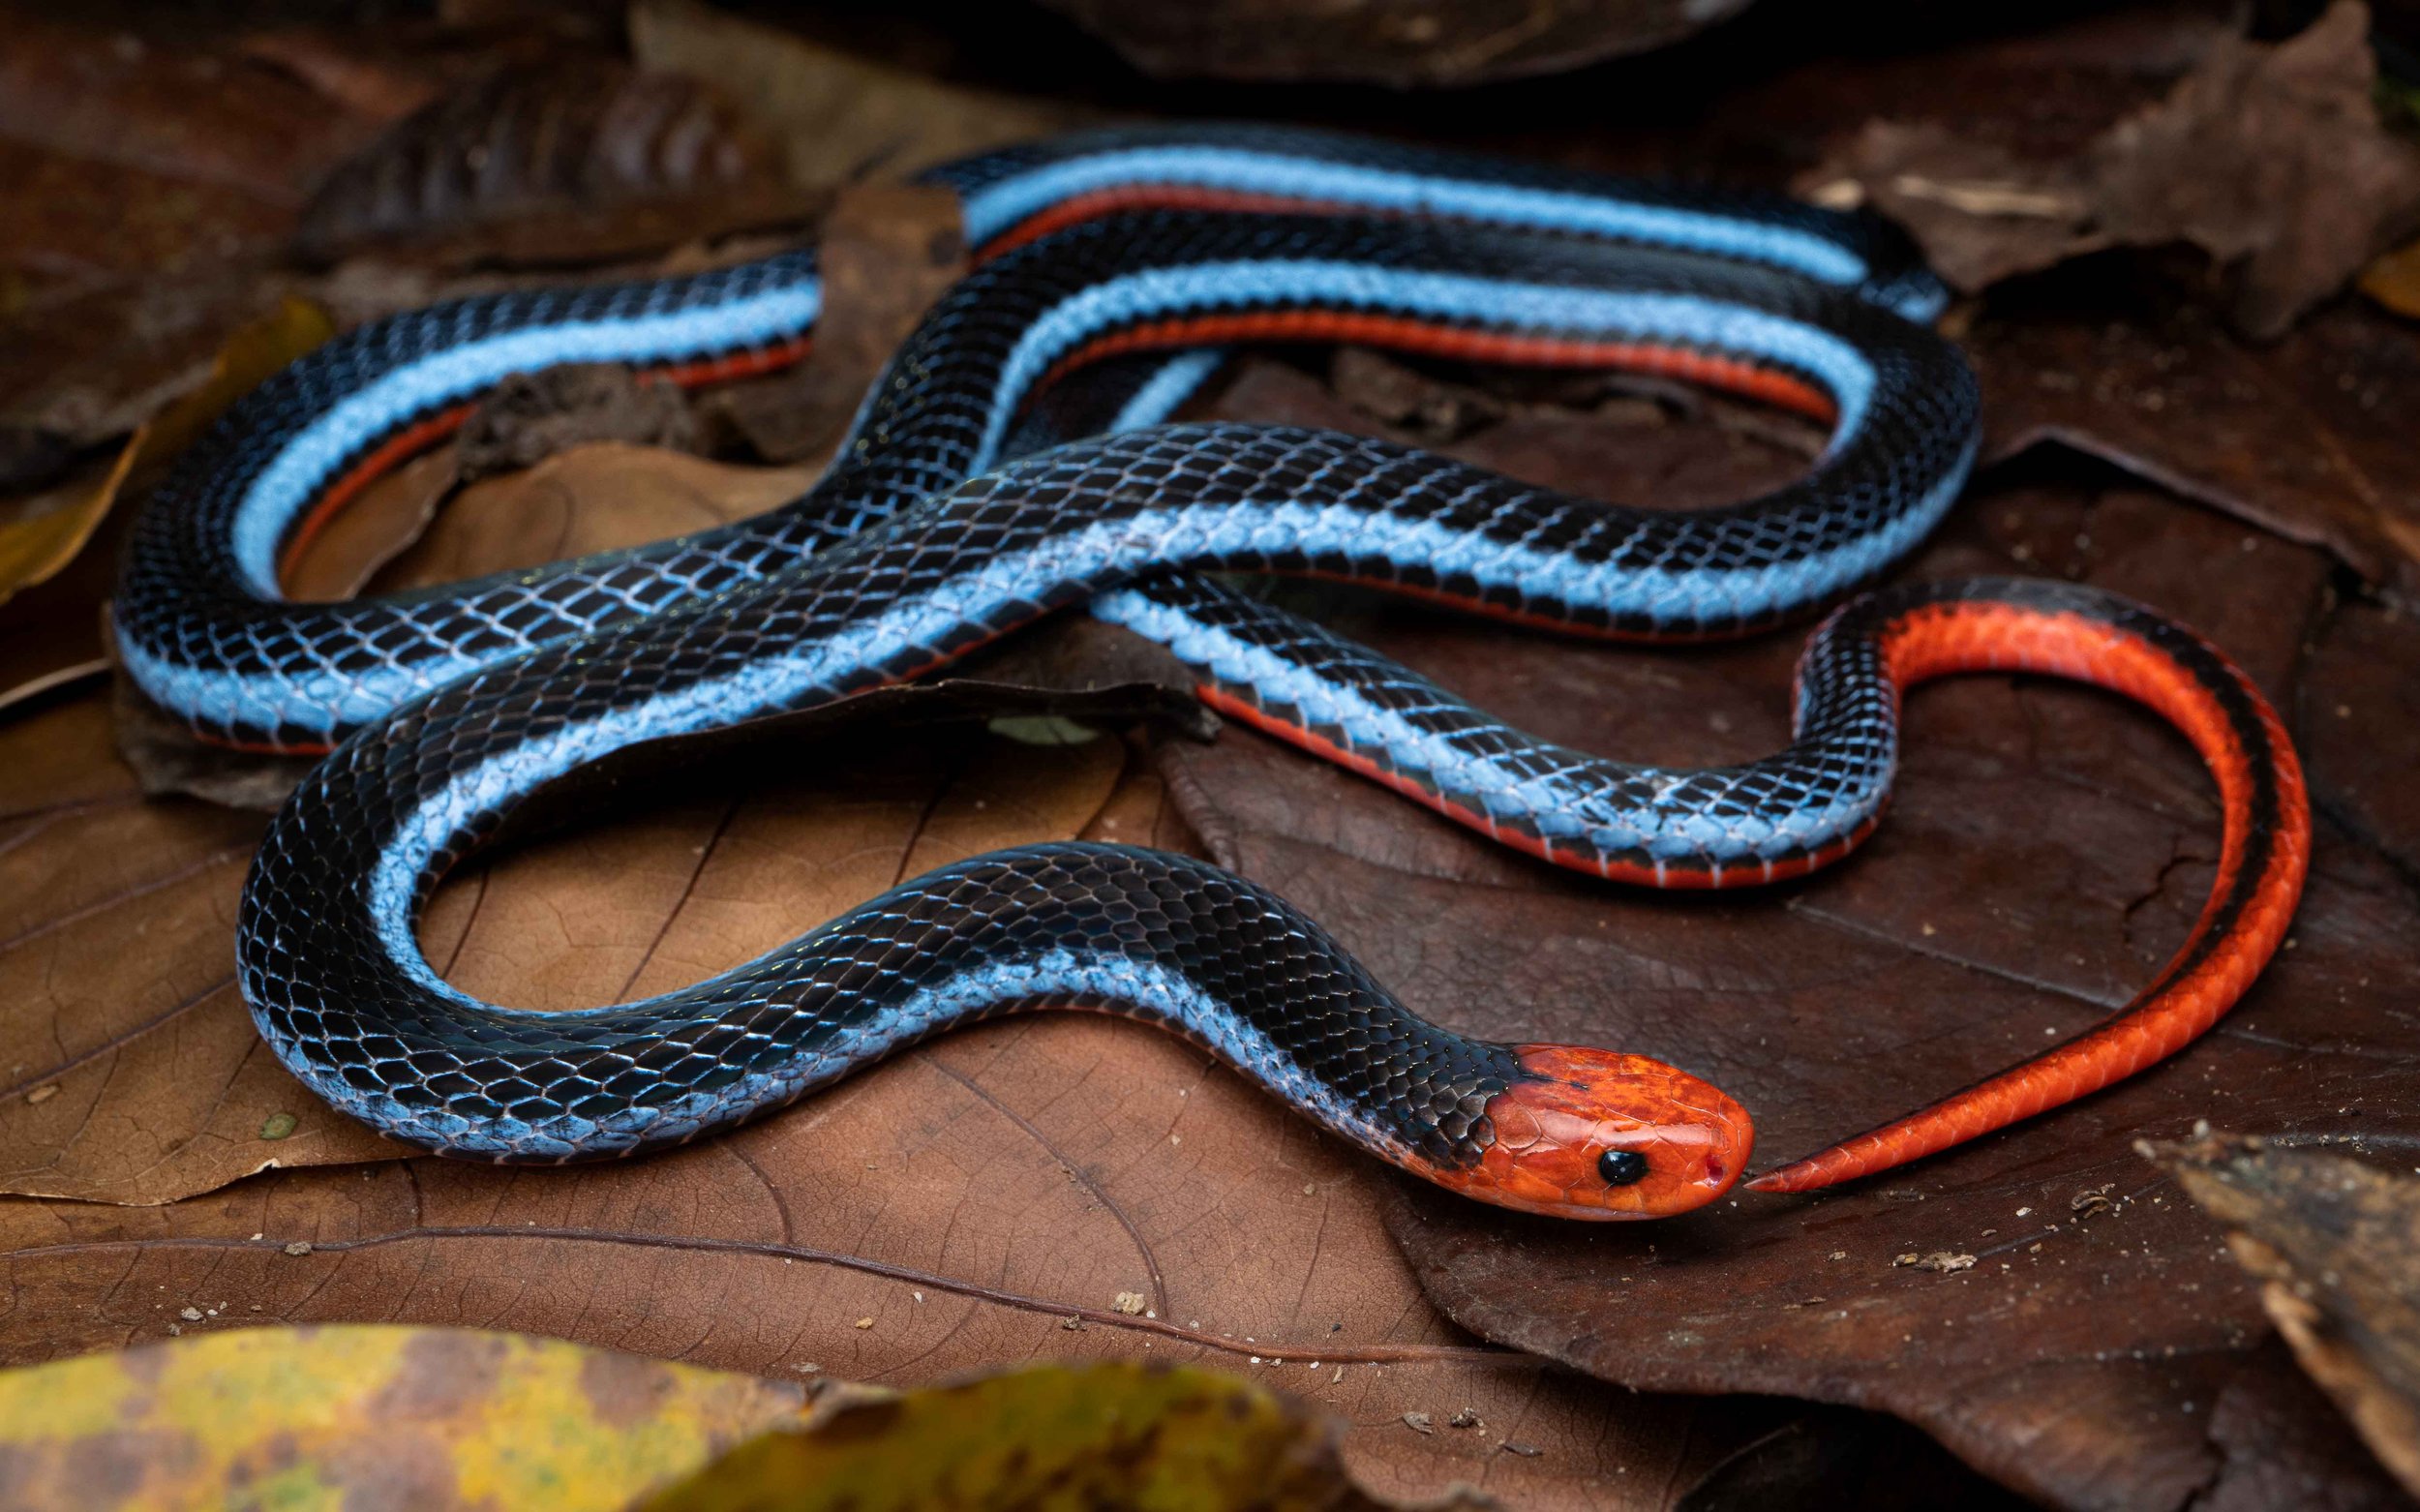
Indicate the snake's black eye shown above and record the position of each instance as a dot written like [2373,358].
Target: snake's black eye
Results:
[1622,1168]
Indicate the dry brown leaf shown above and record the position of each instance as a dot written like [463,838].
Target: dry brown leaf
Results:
[37,541]
[840,117]
[2269,157]
[2306,437]
[1425,42]
[705,883]
[133,1072]
[577,156]
[380,524]
[116,931]
[51,634]
[40,534]
[2334,1243]
[593,497]
[886,253]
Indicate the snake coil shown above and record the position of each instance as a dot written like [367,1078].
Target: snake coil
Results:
[948,519]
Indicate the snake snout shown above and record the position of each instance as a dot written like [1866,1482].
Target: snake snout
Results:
[1597,1134]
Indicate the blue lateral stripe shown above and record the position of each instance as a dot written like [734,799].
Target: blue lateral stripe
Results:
[1684,320]
[993,589]
[305,464]
[322,701]
[311,698]
[283,489]
[1569,814]
[990,211]
[1166,389]
[1058,975]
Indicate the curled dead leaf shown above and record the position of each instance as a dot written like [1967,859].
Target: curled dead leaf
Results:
[886,253]
[2269,158]
[840,117]
[2332,1241]
[35,543]
[578,156]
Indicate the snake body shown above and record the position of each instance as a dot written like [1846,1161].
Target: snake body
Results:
[452,709]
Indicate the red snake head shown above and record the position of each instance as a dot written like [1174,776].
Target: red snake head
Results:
[1603,1135]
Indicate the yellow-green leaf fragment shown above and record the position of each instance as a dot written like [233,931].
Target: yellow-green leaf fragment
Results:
[1043,730]
[1116,1433]
[329,1417]
[40,539]
[2393,280]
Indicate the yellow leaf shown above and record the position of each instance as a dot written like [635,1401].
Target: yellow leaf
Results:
[1118,1433]
[35,544]
[327,1417]
[2393,280]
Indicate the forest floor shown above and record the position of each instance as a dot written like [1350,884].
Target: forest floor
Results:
[2200,357]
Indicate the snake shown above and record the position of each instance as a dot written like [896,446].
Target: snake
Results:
[949,517]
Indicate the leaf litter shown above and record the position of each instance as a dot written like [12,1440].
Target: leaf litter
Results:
[140,1135]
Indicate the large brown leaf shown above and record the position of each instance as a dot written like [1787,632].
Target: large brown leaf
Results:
[136,1075]
[2360,703]
[2308,436]
[2048,848]
[133,1070]
[965,1202]
[1047,1187]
